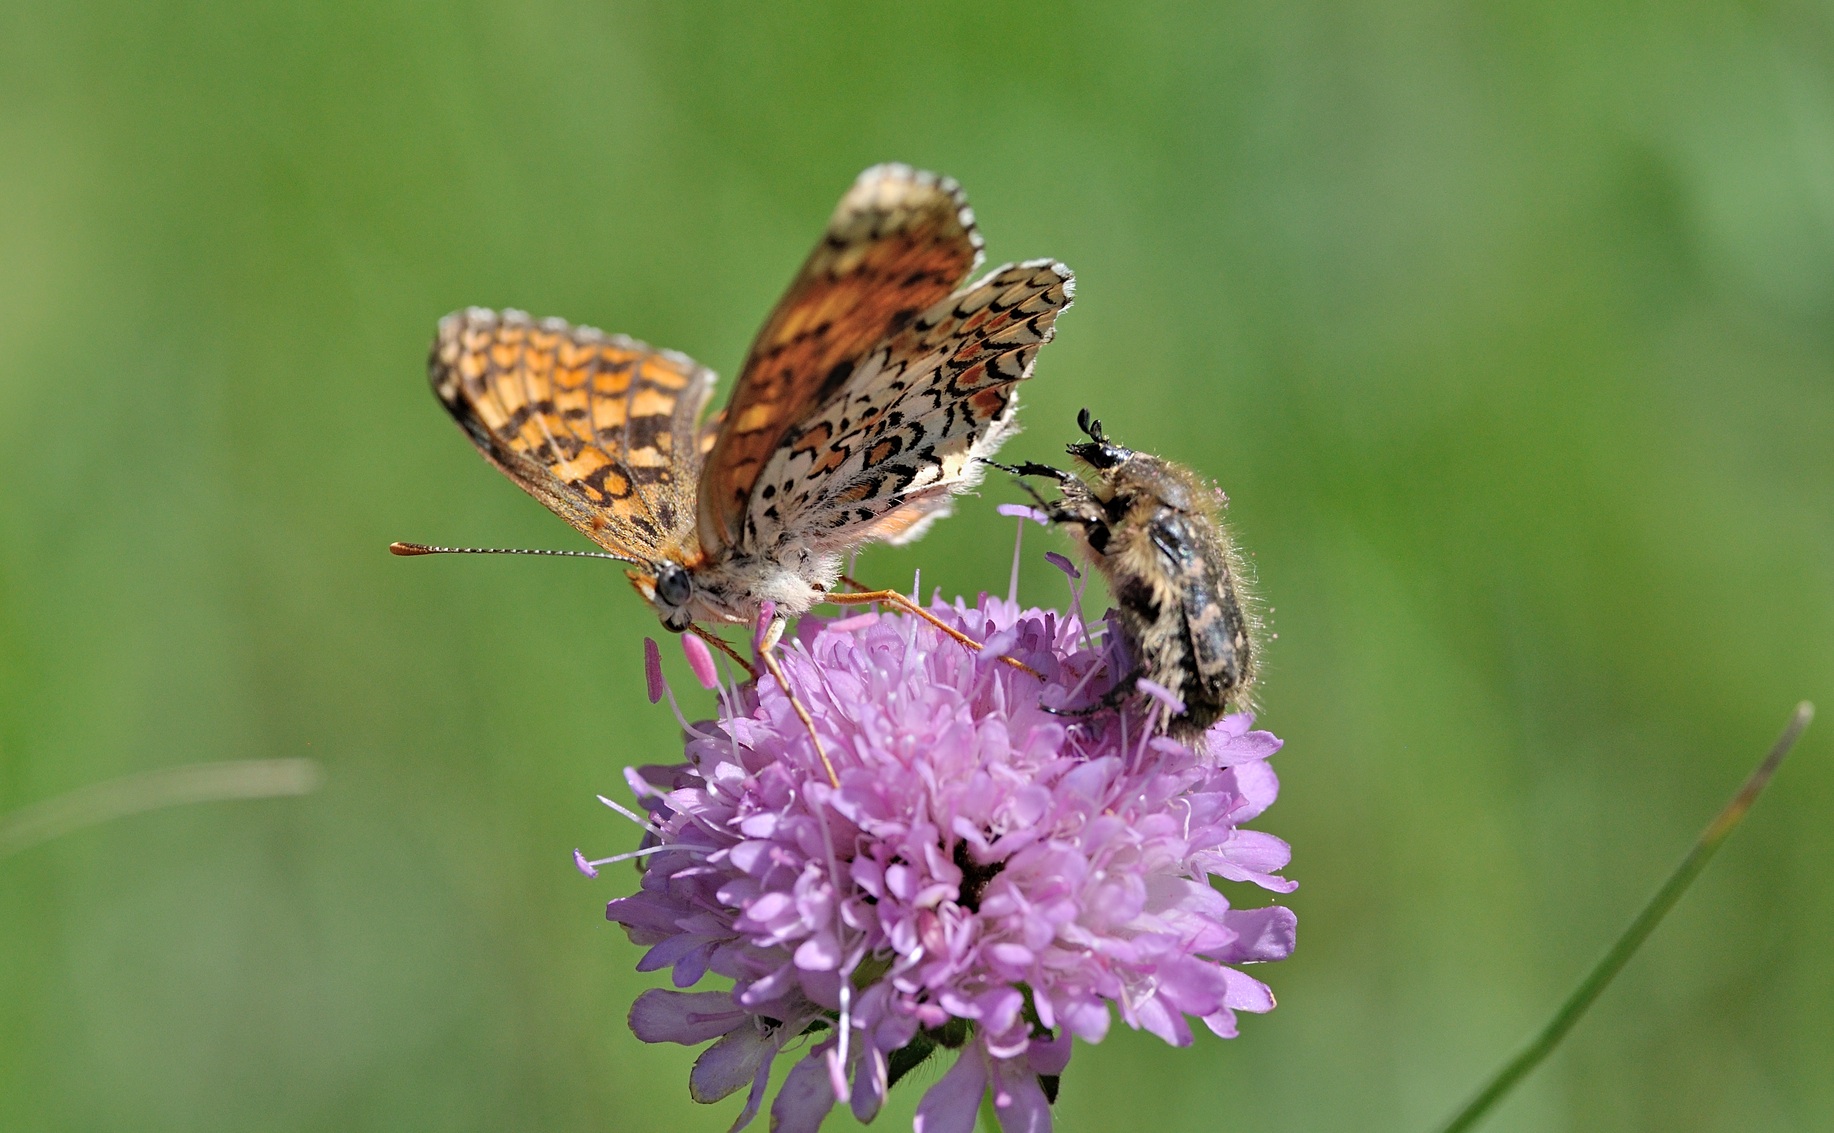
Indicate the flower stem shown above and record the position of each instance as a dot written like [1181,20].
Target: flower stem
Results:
[1626,946]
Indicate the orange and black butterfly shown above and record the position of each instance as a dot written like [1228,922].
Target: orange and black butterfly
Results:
[867,402]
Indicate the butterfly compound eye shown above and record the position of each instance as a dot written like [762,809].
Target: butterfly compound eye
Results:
[673,586]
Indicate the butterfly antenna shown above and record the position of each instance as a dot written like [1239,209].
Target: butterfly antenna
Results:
[409,550]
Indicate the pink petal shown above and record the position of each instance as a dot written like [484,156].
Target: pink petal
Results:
[1049,1056]
[1023,511]
[1261,934]
[667,952]
[1228,748]
[1247,993]
[1155,1017]
[819,953]
[952,1104]
[728,1064]
[1258,851]
[999,1010]
[1192,987]
[688,1018]
[1011,955]
[751,856]
[1019,1100]
[1259,787]
[768,908]
[770,986]
[1235,724]
[692,966]
[804,1098]
[759,1083]
[1251,856]
[869,1084]
[1088,1021]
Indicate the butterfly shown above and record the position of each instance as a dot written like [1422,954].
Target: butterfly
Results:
[876,388]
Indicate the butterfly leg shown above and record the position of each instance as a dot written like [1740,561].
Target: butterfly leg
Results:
[767,650]
[905,603]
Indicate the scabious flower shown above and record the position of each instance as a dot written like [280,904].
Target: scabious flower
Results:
[987,876]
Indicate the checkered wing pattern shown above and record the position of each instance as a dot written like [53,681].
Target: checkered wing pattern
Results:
[901,438]
[900,241]
[598,427]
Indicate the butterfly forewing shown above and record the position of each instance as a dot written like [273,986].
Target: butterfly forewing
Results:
[600,428]
[899,241]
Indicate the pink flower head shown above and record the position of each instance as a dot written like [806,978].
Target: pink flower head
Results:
[988,876]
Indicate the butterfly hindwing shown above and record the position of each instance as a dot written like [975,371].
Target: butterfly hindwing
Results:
[898,242]
[902,437]
[600,428]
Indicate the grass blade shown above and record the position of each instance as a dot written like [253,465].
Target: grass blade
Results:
[1600,976]
[153,790]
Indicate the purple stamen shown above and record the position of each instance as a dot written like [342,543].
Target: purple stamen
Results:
[652,668]
[1062,564]
[1024,511]
[579,859]
[1012,587]
[638,786]
[1162,694]
[626,812]
[1000,644]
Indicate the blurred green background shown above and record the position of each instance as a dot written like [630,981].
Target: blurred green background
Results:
[1506,327]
